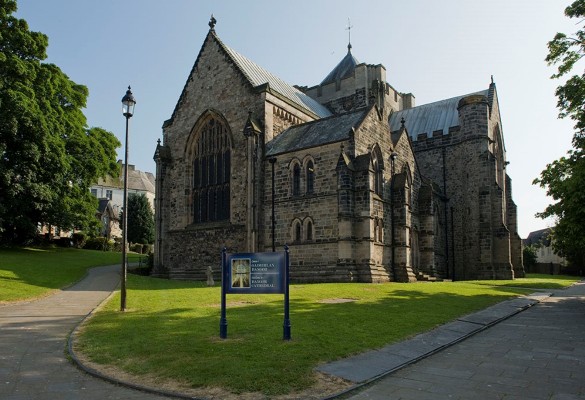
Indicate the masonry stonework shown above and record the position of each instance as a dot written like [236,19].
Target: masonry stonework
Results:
[367,186]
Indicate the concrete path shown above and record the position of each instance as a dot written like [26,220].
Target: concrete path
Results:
[536,354]
[33,336]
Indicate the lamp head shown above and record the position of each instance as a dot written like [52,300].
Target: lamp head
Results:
[128,103]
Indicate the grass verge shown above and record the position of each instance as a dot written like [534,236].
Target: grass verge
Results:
[27,273]
[534,281]
[171,330]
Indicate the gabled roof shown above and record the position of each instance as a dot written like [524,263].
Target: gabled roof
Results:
[137,180]
[258,76]
[315,133]
[538,237]
[343,70]
[428,118]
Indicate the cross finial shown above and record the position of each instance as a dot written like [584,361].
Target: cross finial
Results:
[348,29]
[212,22]
[402,121]
[158,141]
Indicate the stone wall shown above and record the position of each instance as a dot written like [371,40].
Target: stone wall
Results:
[463,164]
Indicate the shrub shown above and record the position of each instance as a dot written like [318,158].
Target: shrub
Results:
[99,243]
[79,239]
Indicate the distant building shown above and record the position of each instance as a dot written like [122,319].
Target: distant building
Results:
[546,258]
[110,220]
[110,193]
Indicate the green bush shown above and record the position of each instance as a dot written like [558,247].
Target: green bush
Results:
[136,248]
[79,239]
[99,243]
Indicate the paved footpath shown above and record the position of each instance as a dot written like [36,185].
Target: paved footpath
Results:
[33,336]
[536,354]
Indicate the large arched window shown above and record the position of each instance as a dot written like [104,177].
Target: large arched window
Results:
[211,171]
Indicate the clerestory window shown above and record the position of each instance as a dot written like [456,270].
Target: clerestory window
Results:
[310,177]
[296,179]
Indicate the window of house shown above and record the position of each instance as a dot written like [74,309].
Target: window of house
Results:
[310,177]
[94,192]
[109,194]
[211,173]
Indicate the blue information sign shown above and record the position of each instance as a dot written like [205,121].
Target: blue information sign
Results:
[255,272]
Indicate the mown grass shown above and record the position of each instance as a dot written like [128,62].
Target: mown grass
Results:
[172,329]
[534,281]
[28,273]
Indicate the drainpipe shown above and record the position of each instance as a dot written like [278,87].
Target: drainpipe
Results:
[446,227]
[392,159]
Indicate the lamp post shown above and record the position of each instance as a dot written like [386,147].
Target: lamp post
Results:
[392,159]
[128,103]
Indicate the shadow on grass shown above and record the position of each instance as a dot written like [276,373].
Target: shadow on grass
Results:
[182,342]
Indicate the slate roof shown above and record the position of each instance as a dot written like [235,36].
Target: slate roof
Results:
[428,118]
[137,180]
[538,237]
[315,133]
[343,70]
[258,76]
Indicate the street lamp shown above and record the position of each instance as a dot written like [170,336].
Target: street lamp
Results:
[128,103]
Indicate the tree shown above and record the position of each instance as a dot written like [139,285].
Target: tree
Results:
[529,255]
[140,219]
[564,179]
[48,155]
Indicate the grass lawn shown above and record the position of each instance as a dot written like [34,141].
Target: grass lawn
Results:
[27,273]
[171,329]
[534,281]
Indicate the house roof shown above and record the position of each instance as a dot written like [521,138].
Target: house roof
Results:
[428,118]
[103,205]
[315,133]
[538,237]
[137,180]
[258,76]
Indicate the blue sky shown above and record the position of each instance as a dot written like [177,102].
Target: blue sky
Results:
[433,49]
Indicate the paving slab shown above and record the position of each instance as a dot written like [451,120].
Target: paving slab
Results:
[371,365]
[537,352]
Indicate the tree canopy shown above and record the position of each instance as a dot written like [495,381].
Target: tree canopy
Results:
[48,156]
[564,179]
[140,219]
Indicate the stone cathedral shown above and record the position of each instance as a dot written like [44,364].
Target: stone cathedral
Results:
[358,181]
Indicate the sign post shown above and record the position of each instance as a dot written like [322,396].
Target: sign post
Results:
[256,273]
[286,324]
[223,319]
